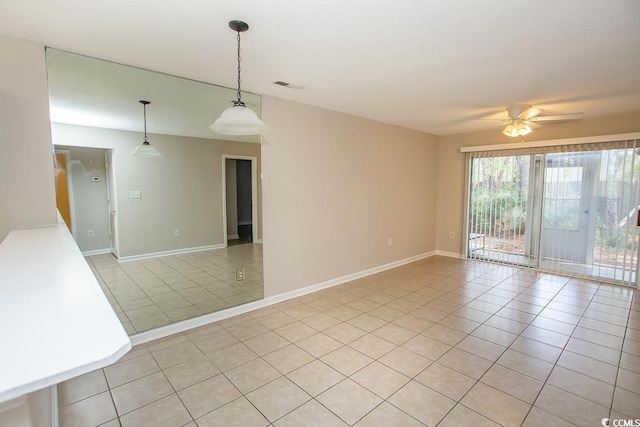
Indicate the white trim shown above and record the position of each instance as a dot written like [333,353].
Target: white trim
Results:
[171,252]
[97,252]
[258,241]
[110,173]
[55,417]
[467,203]
[450,254]
[164,331]
[232,237]
[553,142]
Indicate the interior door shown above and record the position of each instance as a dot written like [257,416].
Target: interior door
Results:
[111,201]
[62,188]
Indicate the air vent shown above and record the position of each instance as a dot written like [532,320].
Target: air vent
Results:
[285,84]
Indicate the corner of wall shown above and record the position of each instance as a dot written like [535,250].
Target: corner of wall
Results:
[26,163]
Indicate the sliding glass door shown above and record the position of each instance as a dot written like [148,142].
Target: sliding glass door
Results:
[499,207]
[571,209]
[567,211]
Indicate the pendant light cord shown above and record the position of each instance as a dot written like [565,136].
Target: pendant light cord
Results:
[239,101]
[145,123]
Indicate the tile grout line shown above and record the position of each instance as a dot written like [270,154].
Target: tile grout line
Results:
[544,383]
[477,381]
[448,290]
[615,386]
[174,267]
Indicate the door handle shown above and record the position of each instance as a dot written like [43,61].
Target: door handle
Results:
[113,211]
[587,211]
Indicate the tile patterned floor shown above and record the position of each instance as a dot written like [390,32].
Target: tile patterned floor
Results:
[154,292]
[439,342]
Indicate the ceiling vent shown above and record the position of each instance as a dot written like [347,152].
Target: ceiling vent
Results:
[285,84]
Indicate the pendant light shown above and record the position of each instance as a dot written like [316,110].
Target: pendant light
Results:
[239,119]
[145,149]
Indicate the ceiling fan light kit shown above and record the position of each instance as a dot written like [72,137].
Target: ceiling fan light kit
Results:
[145,149]
[517,128]
[521,115]
[238,119]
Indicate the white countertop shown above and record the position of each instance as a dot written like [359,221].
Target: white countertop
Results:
[55,321]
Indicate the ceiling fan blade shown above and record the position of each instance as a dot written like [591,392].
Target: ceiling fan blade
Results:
[505,121]
[557,118]
[533,125]
[529,113]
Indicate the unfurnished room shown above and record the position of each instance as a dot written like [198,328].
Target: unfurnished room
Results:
[409,213]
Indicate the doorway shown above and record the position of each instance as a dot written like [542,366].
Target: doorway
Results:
[239,177]
[82,185]
[574,211]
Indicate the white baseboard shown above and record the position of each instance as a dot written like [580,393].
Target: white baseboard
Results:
[450,254]
[96,252]
[164,331]
[232,237]
[168,253]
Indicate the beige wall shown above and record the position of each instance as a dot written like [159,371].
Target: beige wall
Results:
[182,190]
[451,166]
[26,163]
[336,188]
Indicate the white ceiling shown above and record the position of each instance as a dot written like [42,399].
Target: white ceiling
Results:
[432,65]
[91,92]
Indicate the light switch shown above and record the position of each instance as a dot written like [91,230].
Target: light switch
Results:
[135,195]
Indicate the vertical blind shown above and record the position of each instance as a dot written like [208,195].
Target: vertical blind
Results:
[567,208]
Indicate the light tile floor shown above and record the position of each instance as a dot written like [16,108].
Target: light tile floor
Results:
[439,342]
[150,293]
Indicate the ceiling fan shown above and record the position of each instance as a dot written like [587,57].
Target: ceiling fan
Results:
[522,116]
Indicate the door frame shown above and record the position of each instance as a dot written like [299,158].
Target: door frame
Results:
[114,243]
[72,209]
[591,169]
[254,195]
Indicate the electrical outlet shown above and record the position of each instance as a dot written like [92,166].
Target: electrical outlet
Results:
[452,235]
[390,242]
[90,233]
[135,194]
[239,273]
[177,233]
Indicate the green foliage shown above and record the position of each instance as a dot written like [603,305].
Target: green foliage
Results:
[612,236]
[503,210]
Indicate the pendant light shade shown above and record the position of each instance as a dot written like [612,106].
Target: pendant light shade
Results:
[145,149]
[238,119]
